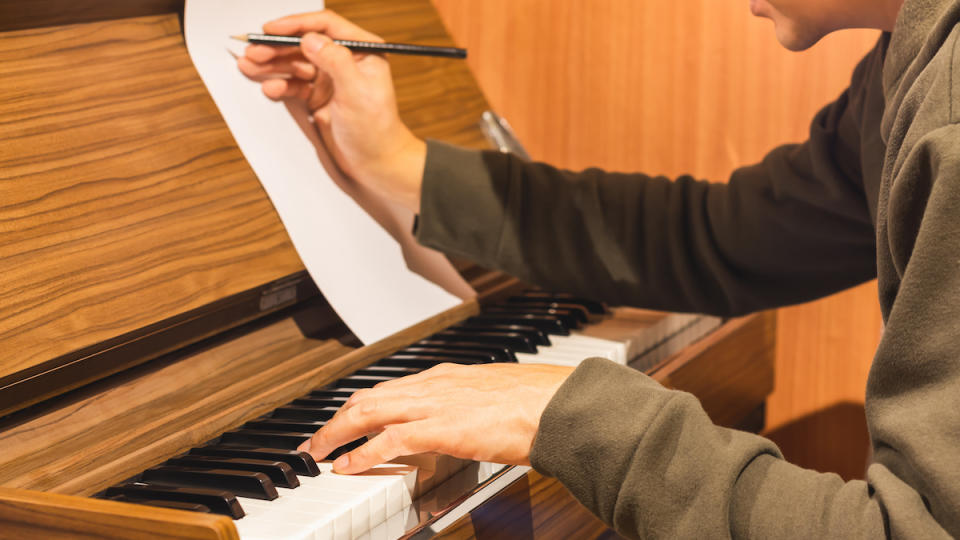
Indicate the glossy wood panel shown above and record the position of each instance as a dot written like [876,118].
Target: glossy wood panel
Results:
[533,507]
[31,514]
[692,87]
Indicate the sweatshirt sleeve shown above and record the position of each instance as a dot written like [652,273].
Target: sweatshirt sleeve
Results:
[648,461]
[790,229]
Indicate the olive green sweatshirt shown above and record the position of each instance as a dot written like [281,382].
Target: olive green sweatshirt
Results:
[874,192]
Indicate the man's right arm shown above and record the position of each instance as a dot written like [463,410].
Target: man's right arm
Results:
[792,228]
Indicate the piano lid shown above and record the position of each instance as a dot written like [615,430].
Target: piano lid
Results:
[125,205]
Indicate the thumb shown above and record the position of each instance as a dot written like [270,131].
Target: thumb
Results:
[334,60]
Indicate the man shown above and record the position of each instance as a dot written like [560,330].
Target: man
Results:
[875,191]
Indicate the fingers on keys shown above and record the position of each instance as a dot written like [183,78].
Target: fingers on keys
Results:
[400,409]
[396,440]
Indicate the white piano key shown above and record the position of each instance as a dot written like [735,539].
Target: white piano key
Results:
[397,481]
[619,348]
[251,528]
[311,519]
[359,503]
[553,358]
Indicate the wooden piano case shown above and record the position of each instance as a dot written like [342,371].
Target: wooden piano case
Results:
[150,298]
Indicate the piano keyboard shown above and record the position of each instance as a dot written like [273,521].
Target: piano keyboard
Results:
[256,476]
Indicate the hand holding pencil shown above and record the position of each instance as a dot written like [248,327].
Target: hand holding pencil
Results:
[351,98]
[359,46]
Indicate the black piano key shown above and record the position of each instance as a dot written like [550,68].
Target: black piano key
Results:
[176,505]
[246,484]
[218,501]
[331,393]
[301,462]
[304,414]
[582,315]
[334,388]
[264,439]
[569,319]
[425,362]
[317,403]
[535,336]
[361,381]
[279,424]
[592,306]
[450,355]
[547,324]
[503,354]
[278,472]
[346,448]
[516,342]
[387,371]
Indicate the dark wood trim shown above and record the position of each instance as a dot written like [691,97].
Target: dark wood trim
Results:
[23,14]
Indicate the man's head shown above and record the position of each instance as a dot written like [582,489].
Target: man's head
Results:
[801,23]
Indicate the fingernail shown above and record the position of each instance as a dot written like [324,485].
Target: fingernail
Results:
[341,462]
[304,446]
[312,42]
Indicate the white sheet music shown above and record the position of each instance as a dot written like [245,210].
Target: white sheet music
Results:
[357,246]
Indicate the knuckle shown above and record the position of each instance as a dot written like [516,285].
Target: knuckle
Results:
[339,55]
[358,396]
[445,367]
[395,438]
[368,407]
[321,438]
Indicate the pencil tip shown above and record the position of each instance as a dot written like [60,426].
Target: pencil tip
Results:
[239,37]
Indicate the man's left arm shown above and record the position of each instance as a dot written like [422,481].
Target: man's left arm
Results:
[651,463]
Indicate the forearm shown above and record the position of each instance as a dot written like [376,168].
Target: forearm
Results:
[681,245]
[649,462]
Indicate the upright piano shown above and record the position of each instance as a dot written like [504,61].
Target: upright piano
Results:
[152,305]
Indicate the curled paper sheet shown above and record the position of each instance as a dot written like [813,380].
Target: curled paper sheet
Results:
[357,246]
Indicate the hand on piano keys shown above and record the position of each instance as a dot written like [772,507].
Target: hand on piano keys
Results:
[257,476]
[442,410]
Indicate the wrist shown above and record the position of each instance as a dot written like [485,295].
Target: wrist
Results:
[400,172]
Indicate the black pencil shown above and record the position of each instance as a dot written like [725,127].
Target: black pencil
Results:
[359,46]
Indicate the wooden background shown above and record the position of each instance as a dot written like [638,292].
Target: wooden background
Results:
[699,87]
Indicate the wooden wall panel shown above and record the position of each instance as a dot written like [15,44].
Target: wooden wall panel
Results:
[698,87]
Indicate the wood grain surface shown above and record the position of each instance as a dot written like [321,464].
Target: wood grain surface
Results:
[31,514]
[123,198]
[693,87]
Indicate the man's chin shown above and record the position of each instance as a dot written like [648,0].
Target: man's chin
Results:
[797,41]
